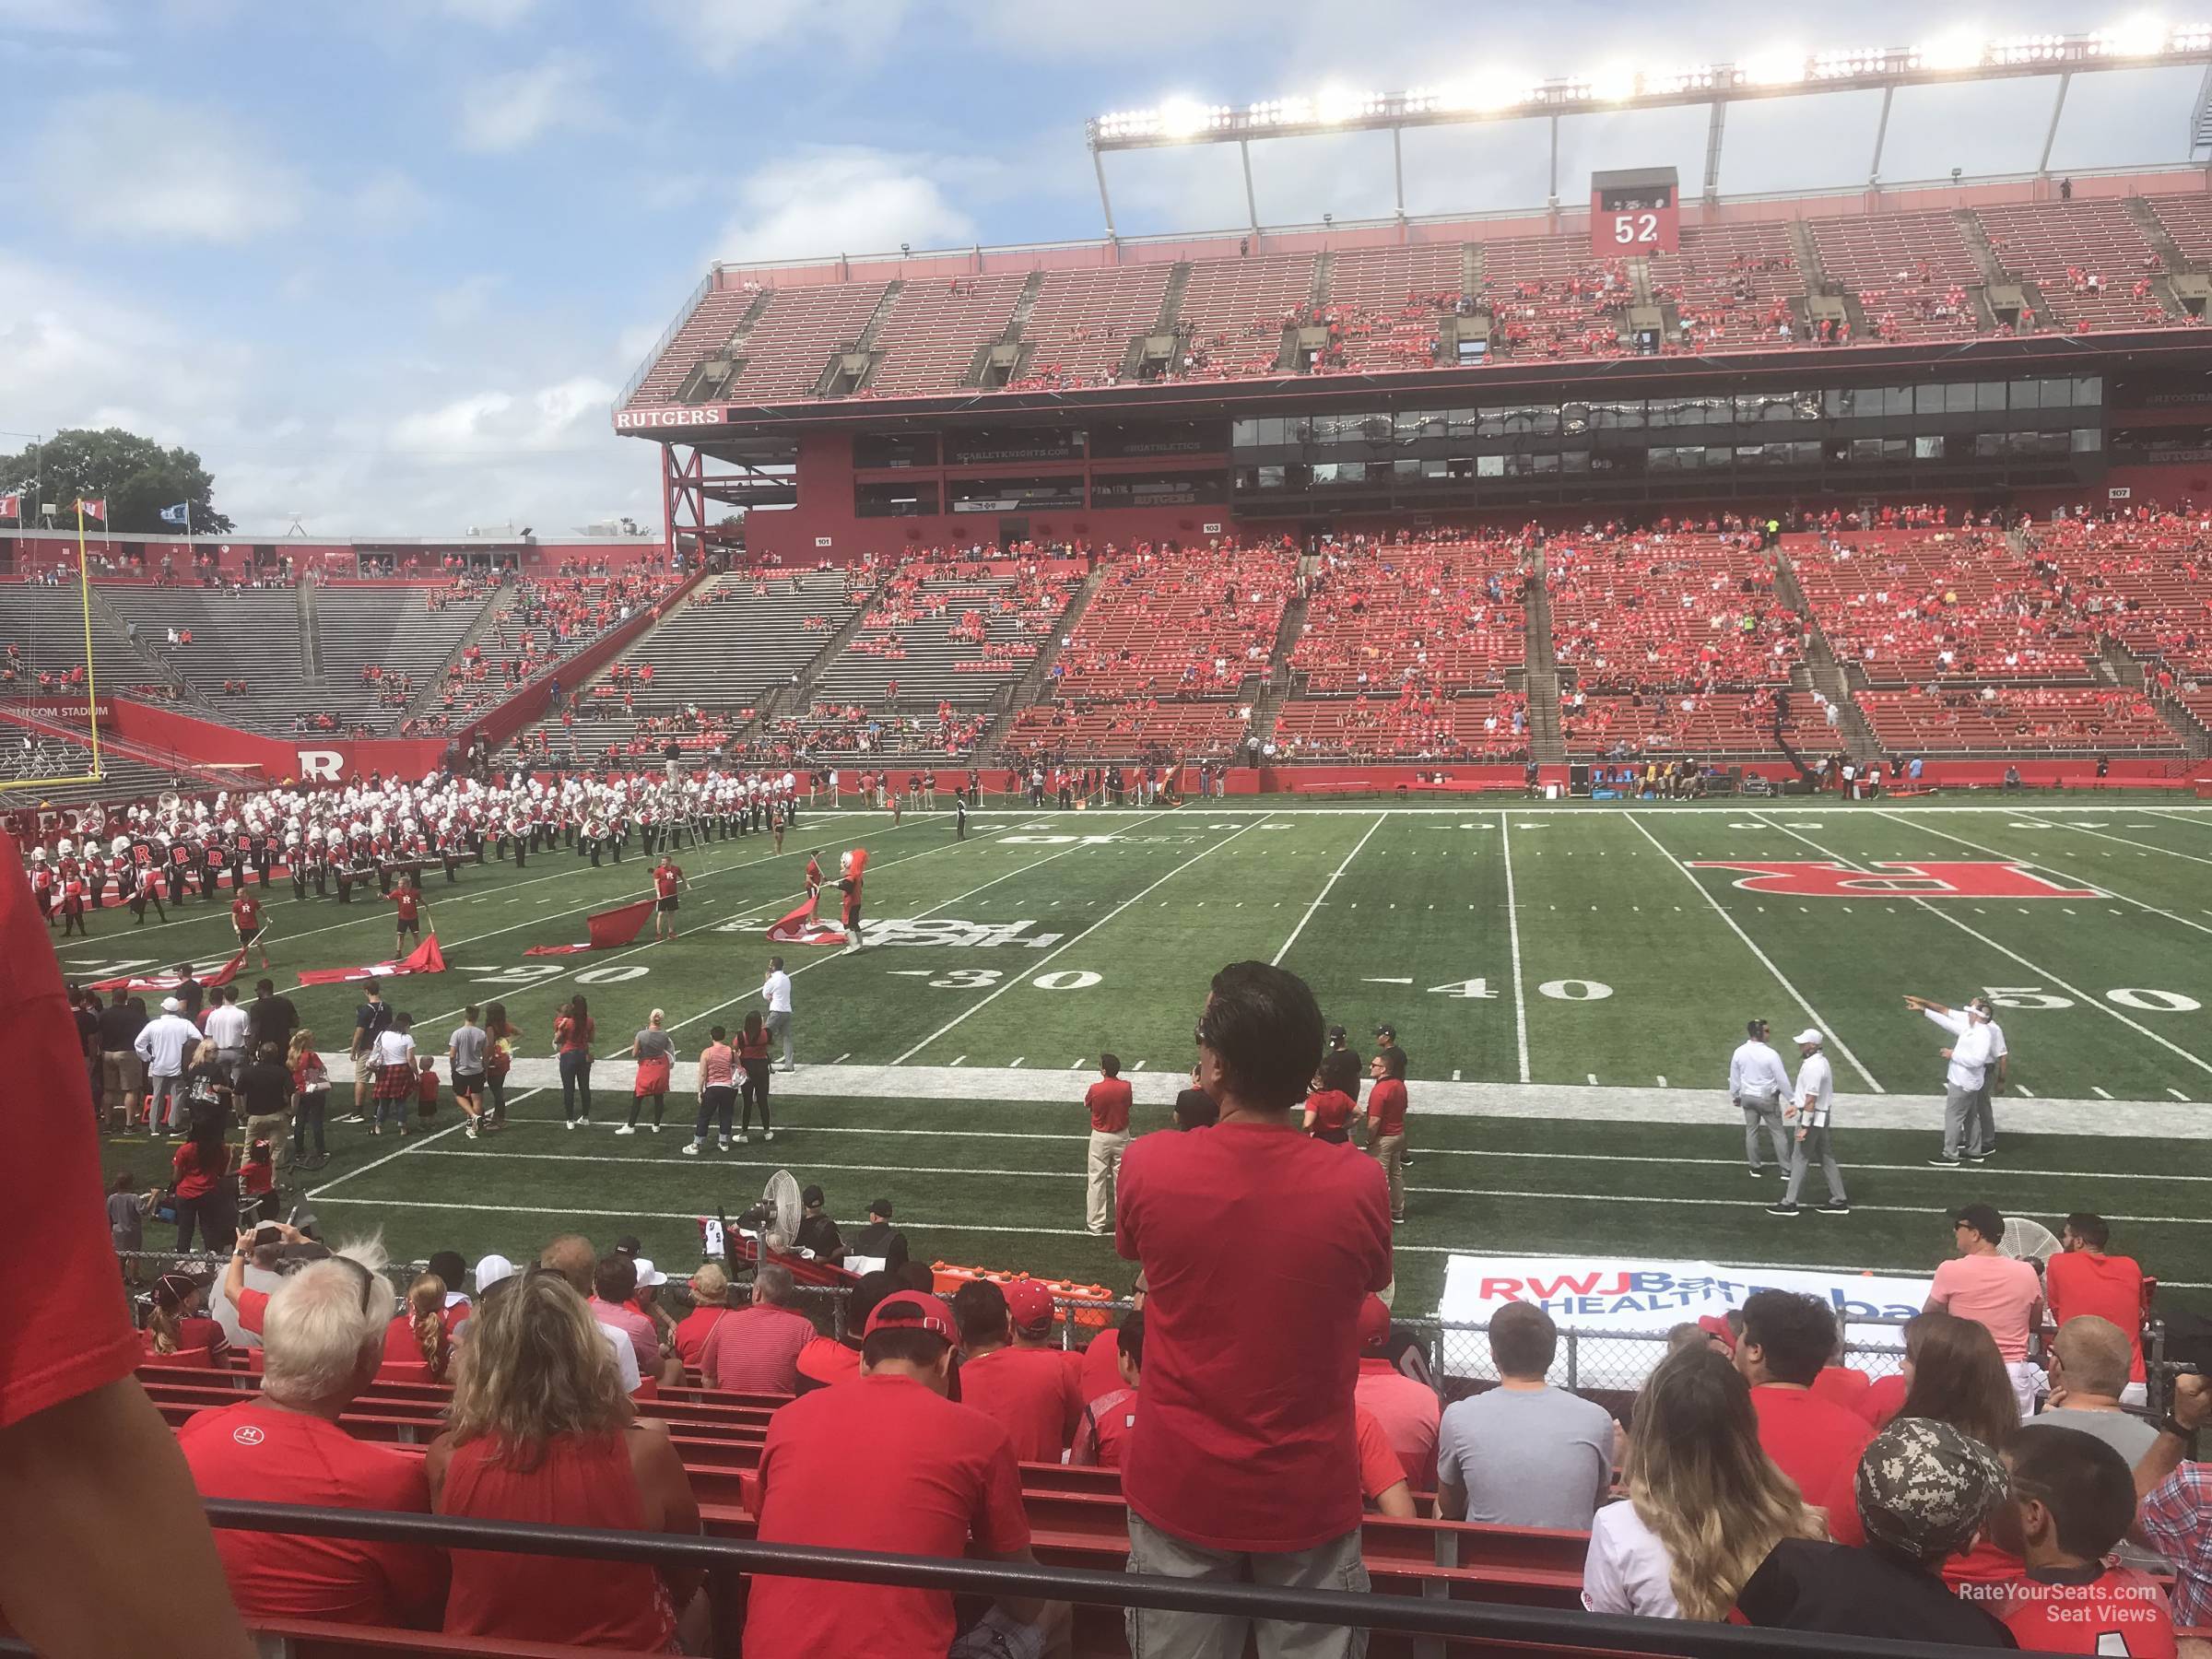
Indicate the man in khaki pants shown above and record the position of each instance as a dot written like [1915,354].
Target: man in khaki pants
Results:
[1386,1122]
[1109,1100]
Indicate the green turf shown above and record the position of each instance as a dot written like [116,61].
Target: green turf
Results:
[1354,898]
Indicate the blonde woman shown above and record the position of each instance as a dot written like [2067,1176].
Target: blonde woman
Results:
[541,1431]
[417,1347]
[1705,1504]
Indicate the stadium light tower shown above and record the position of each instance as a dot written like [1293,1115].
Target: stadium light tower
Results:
[1500,95]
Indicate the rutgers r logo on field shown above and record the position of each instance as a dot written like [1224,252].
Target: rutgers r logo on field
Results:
[1816,878]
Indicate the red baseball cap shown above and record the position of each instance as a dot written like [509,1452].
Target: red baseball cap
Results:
[1028,1303]
[1374,1324]
[1716,1326]
[913,1311]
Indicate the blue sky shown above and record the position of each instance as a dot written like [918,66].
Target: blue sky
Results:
[385,265]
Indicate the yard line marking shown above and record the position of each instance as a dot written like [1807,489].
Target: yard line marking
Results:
[2099,1092]
[1140,1065]
[2176,1093]
[2124,840]
[1512,929]
[2078,881]
[818,961]
[1277,961]
[1015,1061]
[841,1058]
[1795,995]
[406,1147]
[1663,1082]
[1593,1077]
[959,1059]
[2098,1003]
[1059,950]
[1697,1203]
[1456,1076]
[2021,1090]
[1075,1141]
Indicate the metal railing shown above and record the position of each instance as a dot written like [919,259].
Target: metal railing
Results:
[1560,1629]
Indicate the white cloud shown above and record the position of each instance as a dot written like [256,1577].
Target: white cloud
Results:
[843,200]
[44,16]
[151,170]
[720,32]
[465,300]
[512,111]
[386,202]
[491,14]
[498,422]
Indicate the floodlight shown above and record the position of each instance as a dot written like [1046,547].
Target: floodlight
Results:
[2142,35]
[1615,83]
[1333,105]
[1950,52]
[1183,118]
[1775,69]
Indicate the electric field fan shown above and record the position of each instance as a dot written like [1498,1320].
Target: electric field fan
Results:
[2025,1239]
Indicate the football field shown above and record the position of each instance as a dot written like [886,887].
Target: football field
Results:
[1567,982]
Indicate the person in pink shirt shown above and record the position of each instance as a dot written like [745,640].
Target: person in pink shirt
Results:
[1406,1407]
[755,1350]
[614,1282]
[1995,1291]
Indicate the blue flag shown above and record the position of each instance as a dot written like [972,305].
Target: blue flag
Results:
[179,516]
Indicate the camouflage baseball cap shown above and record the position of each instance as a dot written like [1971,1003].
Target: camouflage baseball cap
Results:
[1925,1488]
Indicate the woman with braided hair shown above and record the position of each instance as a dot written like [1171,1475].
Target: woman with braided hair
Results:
[416,1345]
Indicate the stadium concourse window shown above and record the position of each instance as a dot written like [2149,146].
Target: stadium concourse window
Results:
[895,449]
[894,500]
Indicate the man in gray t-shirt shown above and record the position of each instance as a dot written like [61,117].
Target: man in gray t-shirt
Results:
[465,1053]
[1525,1454]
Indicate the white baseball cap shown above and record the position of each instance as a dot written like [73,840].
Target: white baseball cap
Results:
[169,1004]
[1808,1035]
[648,1275]
[490,1271]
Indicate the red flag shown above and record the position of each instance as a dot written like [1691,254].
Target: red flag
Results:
[11,505]
[94,510]
[426,957]
[165,982]
[608,930]
[804,927]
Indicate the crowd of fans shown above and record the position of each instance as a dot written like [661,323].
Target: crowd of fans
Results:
[2001,1481]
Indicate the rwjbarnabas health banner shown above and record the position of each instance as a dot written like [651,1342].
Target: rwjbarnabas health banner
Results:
[1610,1302]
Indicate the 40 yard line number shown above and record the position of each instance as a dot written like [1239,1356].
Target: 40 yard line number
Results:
[1559,990]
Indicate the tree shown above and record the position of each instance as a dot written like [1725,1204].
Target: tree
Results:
[135,476]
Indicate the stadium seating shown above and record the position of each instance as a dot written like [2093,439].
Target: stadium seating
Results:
[1912,273]
[1189,622]
[1437,615]
[1080,327]
[930,338]
[1233,312]
[45,624]
[1467,728]
[1732,285]
[252,635]
[2085,258]
[2018,719]
[1674,724]
[950,633]
[788,347]
[1387,303]
[1668,611]
[1908,608]
[1548,298]
[1127,729]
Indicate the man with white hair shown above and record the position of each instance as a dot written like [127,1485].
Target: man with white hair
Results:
[1966,1062]
[1809,1109]
[322,1339]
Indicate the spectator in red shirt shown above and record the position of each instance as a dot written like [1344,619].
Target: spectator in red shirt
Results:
[1386,1123]
[827,1360]
[83,1457]
[416,1344]
[1099,1370]
[541,1431]
[1029,1392]
[177,1332]
[1259,1245]
[2082,1279]
[1335,1101]
[755,1350]
[1109,1101]
[1786,1339]
[2070,1500]
[1406,1407]
[323,1341]
[1108,1420]
[710,1290]
[884,1462]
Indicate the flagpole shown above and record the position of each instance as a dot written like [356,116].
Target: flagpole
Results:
[84,594]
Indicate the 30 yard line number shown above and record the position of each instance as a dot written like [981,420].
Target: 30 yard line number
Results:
[982,979]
